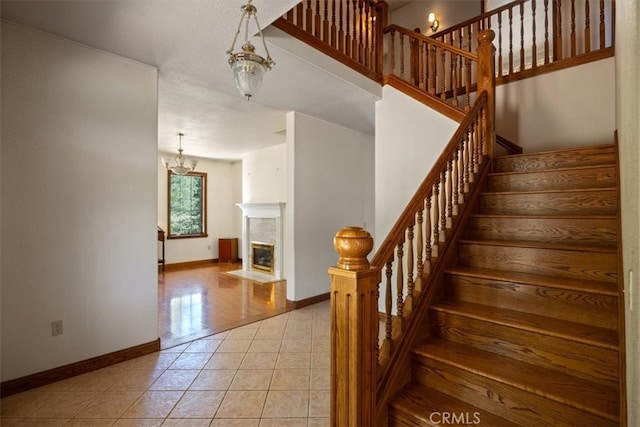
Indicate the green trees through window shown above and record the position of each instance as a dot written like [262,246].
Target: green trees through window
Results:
[187,205]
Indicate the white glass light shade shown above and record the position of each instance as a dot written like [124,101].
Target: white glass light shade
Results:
[248,69]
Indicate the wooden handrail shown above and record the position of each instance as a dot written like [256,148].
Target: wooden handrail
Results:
[410,256]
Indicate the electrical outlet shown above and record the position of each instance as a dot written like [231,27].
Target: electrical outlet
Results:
[56,327]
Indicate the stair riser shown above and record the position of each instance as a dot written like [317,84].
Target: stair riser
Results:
[502,399]
[566,179]
[552,262]
[564,304]
[556,160]
[581,360]
[585,203]
[554,230]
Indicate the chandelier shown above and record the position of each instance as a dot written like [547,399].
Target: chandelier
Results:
[179,168]
[247,66]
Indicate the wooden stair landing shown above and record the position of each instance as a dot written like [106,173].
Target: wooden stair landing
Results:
[526,329]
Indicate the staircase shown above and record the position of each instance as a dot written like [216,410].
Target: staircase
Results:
[526,330]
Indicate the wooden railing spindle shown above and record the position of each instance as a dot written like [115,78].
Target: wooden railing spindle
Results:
[427,237]
[557,54]
[534,49]
[419,250]
[587,27]
[400,285]
[573,28]
[602,26]
[443,206]
[333,42]
[317,21]
[408,301]
[309,16]
[546,31]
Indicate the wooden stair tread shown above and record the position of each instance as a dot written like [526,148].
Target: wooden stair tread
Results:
[421,402]
[601,147]
[595,287]
[542,245]
[578,332]
[570,191]
[516,216]
[561,387]
[573,168]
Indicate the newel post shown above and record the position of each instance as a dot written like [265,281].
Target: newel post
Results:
[487,82]
[354,330]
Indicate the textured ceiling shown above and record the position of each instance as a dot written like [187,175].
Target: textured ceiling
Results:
[187,40]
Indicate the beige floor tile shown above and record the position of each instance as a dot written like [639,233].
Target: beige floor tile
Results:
[142,422]
[254,325]
[139,379]
[191,361]
[213,379]
[179,379]
[290,379]
[295,346]
[225,361]
[198,404]
[203,346]
[111,404]
[177,349]
[264,346]
[65,404]
[284,404]
[283,422]
[319,403]
[293,361]
[24,404]
[242,404]
[319,422]
[234,346]
[160,360]
[320,379]
[320,360]
[228,422]
[252,379]
[241,334]
[182,422]
[269,334]
[259,361]
[153,404]
[90,422]
[99,380]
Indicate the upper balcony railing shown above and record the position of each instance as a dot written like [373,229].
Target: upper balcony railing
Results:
[533,36]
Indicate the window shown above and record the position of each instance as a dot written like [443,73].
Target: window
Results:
[187,205]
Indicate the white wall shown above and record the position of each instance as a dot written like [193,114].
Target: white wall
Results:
[264,175]
[414,15]
[222,214]
[409,138]
[557,109]
[628,125]
[330,185]
[79,138]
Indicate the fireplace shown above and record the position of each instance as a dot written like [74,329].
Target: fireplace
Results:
[263,223]
[262,257]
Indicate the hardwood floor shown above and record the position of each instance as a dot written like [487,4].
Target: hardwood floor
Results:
[202,301]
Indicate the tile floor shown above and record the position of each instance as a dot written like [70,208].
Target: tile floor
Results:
[273,372]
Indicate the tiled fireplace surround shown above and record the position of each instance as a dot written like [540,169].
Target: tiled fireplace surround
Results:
[262,222]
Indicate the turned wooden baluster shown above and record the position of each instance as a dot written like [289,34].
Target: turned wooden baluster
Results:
[325,23]
[408,301]
[354,329]
[341,33]
[427,238]
[521,37]
[309,16]
[534,49]
[347,40]
[300,15]
[402,56]
[333,24]
[442,74]
[557,53]
[419,250]
[510,41]
[431,73]
[469,71]
[387,344]
[400,287]
[317,21]
[500,43]
[546,31]
[573,28]
[443,205]
[392,54]
[355,37]
[450,177]
[587,28]
[602,26]
[436,219]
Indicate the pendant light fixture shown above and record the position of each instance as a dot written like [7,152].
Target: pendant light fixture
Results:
[179,167]
[248,67]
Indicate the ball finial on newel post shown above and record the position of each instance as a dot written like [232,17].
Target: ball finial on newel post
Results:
[353,244]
